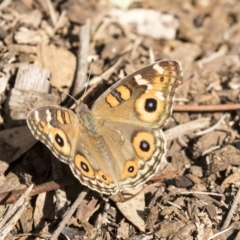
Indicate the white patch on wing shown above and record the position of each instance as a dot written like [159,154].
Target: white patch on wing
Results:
[149,86]
[48,118]
[158,68]
[36,114]
[140,81]
[160,96]
[138,77]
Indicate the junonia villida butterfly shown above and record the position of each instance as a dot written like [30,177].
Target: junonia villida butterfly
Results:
[119,143]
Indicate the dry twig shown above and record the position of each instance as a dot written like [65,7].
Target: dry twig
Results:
[231,211]
[12,215]
[70,212]
[81,75]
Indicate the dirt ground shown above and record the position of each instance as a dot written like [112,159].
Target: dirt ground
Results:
[196,194]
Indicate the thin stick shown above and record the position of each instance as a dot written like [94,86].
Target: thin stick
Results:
[9,197]
[203,193]
[13,214]
[231,211]
[185,128]
[206,108]
[219,233]
[214,127]
[81,76]
[105,74]
[52,12]
[70,212]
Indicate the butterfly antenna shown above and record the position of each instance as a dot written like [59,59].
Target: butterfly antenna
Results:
[75,100]
[84,94]
[88,80]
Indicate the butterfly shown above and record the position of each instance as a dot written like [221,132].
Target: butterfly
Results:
[119,143]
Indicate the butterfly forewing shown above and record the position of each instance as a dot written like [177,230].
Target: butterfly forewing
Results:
[57,128]
[145,96]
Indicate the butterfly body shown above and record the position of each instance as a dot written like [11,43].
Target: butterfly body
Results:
[118,144]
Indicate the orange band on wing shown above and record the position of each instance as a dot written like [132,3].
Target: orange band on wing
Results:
[143,144]
[84,166]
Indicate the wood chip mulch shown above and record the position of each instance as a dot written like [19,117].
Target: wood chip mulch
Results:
[197,195]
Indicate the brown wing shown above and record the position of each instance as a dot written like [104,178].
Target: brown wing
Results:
[130,115]
[144,97]
[57,128]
